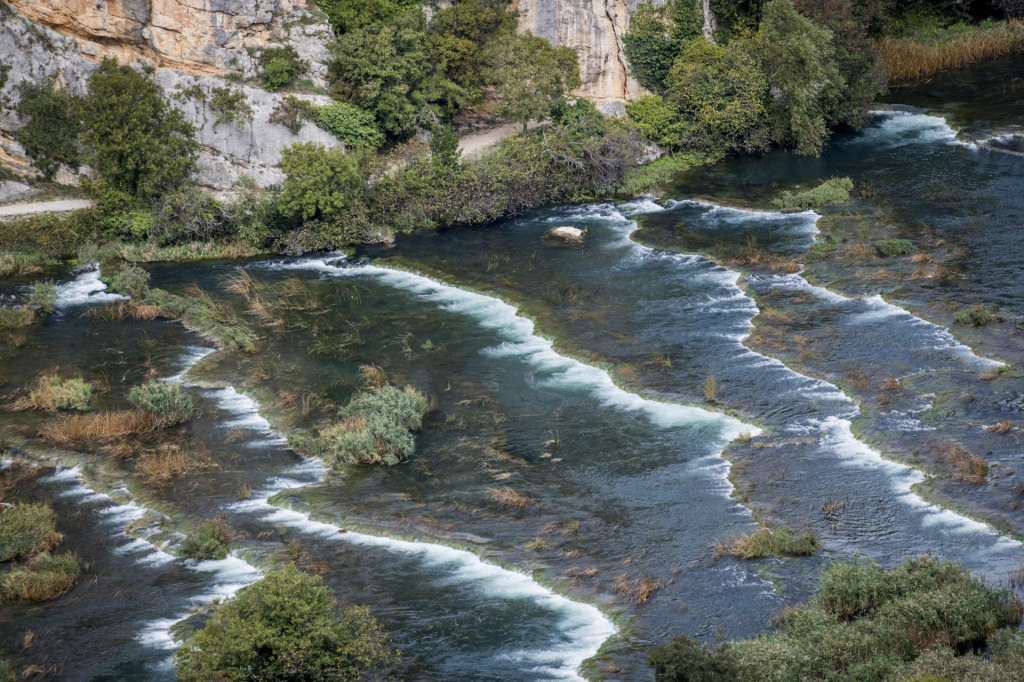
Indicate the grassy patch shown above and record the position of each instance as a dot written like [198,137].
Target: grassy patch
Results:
[509,497]
[168,403]
[26,529]
[767,542]
[169,461]
[822,248]
[13,318]
[212,540]
[831,192]
[20,263]
[910,59]
[889,248]
[965,465]
[43,578]
[376,427]
[100,426]
[977,315]
[50,393]
[868,623]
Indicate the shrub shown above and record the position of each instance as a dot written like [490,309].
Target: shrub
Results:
[768,542]
[50,129]
[350,124]
[229,105]
[977,315]
[188,216]
[662,171]
[43,297]
[168,403]
[131,281]
[376,427]
[657,120]
[43,578]
[26,529]
[20,262]
[281,67]
[889,248]
[291,112]
[868,623]
[50,392]
[211,541]
[822,247]
[285,627]
[831,192]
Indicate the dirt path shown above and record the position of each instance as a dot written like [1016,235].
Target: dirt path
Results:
[472,145]
[44,207]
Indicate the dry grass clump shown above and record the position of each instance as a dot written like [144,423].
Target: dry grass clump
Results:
[773,262]
[51,393]
[891,383]
[133,310]
[44,578]
[566,527]
[967,466]
[372,376]
[907,60]
[509,497]
[170,461]
[636,590]
[101,426]
[767,542]
[1002,427]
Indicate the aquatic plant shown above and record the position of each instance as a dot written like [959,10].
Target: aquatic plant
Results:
[767,542]
[831,192]
[870,623]
[509,497]
[894,247]
[19,263]
[26,529]
[977,315]
[43,578]
[636,590]
[168,403]
[710,388]
[43,297]
[211,540]
[169,461]
[822,247]
[49,393]
[375,427]
[287,626]
[13,318]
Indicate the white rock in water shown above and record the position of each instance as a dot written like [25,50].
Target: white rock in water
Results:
[565,233]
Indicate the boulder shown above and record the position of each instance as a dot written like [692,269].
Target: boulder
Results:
[15,191]
[563,233]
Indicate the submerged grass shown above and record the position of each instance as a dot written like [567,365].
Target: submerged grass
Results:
[919,621]
[212,540]
[167,403]
[769,542]
[977,315]
[43,578]
[509,497]
[910,59]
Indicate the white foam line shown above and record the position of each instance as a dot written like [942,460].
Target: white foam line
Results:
[86,288]
[195,354]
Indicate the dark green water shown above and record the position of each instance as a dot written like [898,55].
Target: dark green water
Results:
[574,375]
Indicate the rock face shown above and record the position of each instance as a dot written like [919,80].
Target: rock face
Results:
[594,28]
[36,54]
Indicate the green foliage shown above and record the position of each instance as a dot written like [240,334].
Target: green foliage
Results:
[720,92]
[24,261]
[138,144]
[831,192]
[869,623]
[822,247]
[800,60]
[285,627]
[26,529]
[768,542]
[977,315]
[50,234]
[643,179]
[43,578]
[13,318]
[50,130]
[131,281]
[6,672]
[444,147]
[43,297]
[350,124]
[168,403]
[229,105]
[211,540]
[532,78]
[50,393]
[376,427]
[319,182]
[658,121]
[349,15]
[187,216]
[657,35]
[291,112]
[894,247]
[254,216]
[201,313]
[281,67]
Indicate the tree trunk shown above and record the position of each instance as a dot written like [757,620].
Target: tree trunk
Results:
[710,23]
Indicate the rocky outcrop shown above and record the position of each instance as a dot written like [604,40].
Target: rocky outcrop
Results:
[252,147]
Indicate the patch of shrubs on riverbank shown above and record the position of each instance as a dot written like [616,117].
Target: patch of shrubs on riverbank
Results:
[927,619]
[50,393]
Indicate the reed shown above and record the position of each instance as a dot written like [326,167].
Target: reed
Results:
[907,59]
[509,497]
[26,529]
[636,590]
[965,465]
[101,426]
[171,461]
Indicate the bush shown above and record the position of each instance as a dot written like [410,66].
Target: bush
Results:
[831,192]
[768,542]
[281,67]
[291,112]
[43,578]
[868,623]
[131,281]
[285,627]
[376,427]
[188,216]
[211,541]
[229,105]
[350,124]
[50,129]
[977,315]
[43,297]
[659,172]
[26,529]
[658,121]
[889,248]
[51,393]
[168,403]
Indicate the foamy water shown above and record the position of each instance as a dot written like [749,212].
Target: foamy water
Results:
[85,289]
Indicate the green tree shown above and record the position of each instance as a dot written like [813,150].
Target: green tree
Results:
[50,131]
[720,93]
[287,627]
[137,144]
[799,59]
[350,124]
[319,182]
[444,147]
[532,78]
